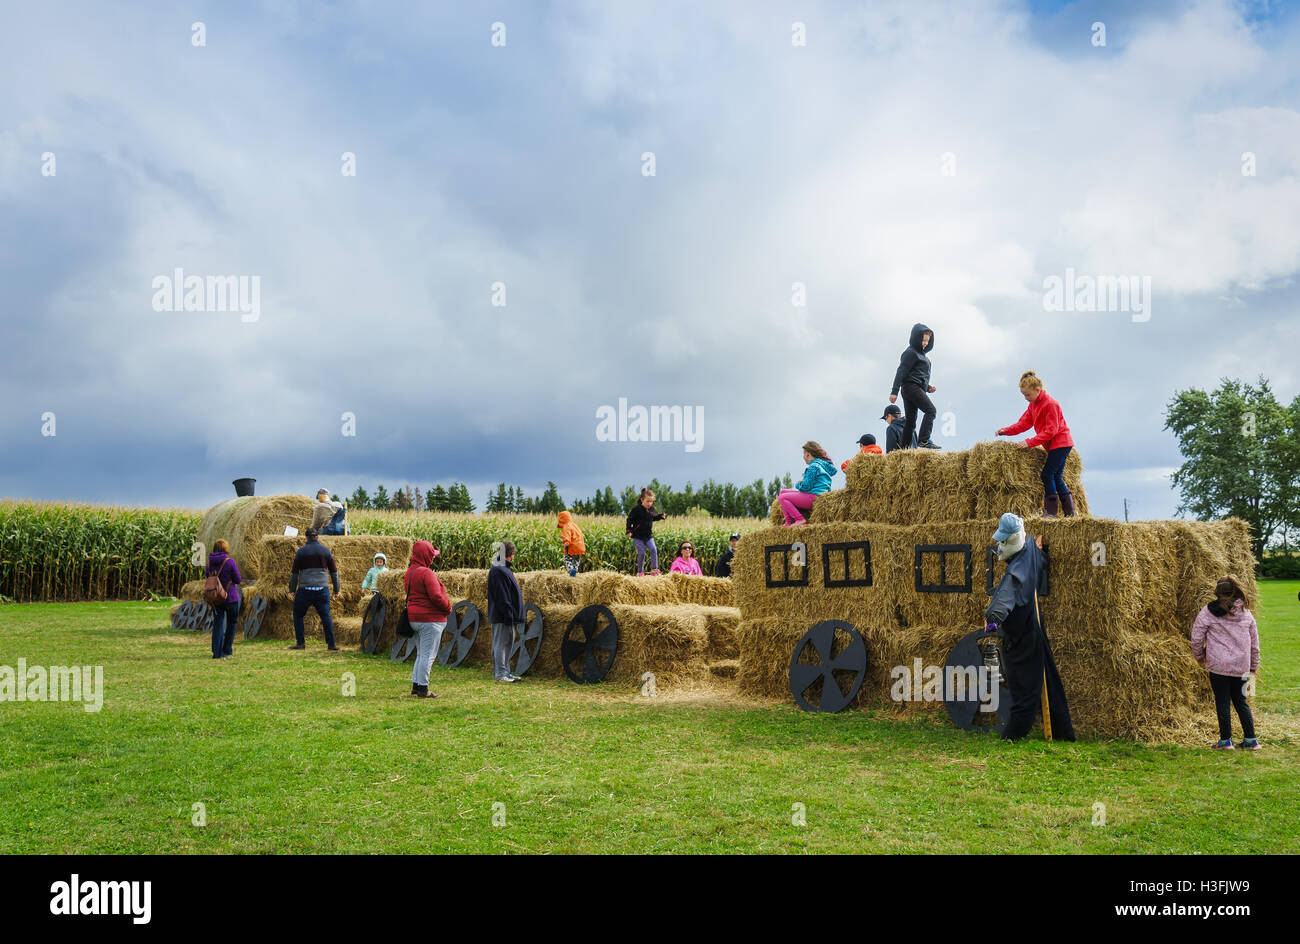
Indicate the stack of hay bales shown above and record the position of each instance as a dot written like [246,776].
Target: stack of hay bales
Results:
[1120,605]
[683,629]
[915,485]
[254,528]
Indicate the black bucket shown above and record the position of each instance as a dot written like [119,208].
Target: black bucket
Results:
[243,487]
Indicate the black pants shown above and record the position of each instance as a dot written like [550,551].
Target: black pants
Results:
[1229,689]
[306,599]
[1028,658]
[914,398]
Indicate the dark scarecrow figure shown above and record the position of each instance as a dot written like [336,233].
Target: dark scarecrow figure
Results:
[1027,655]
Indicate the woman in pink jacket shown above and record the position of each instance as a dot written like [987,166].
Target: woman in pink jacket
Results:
[1226,641]
[685,562]
[1050,432]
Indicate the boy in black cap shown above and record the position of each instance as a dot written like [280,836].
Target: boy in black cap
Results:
[868,444]
[723,567]
[894,431]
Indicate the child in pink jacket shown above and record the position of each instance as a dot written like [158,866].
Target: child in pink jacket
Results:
[1226,641]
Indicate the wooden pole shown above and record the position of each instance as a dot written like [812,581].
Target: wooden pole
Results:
[1047,708]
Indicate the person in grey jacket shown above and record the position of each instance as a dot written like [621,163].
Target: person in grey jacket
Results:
[309,584]
[505,612]
[1026,652]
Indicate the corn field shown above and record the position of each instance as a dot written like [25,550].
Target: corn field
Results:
[467,540]
[51,551]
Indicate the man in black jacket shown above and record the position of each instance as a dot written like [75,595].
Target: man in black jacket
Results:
[894,431]
[309,582]
[1026,652]
[505,612]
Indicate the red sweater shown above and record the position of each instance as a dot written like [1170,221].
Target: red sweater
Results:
[1044,415]
[426,598]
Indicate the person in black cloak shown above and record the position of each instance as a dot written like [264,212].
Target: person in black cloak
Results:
[1026,652]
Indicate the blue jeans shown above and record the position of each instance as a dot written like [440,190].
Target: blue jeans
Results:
[223,627]
[304,600]
[1054,471]
[336,523]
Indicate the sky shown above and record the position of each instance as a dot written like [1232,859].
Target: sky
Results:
[502,264]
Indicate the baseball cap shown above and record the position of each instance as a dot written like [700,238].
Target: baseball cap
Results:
[866,439]
[1008,525]
[736,536]
[891,410]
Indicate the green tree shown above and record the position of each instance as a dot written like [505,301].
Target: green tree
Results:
[381,500]
[499,500]
[359,499]
[550,502]
[1242,457]
[437,499]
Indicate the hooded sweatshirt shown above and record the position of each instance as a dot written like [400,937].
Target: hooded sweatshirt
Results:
[426,598]
[570,534]
[227,571]
[505,599]
[1228,640]
[817,477]
[1045,416]
[914,365]
[640,521]
[894,435]
[870,450]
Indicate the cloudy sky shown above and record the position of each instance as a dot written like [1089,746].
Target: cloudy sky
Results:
[908,162]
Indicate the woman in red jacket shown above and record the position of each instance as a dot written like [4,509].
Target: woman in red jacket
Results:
[1050,432]
[427,608]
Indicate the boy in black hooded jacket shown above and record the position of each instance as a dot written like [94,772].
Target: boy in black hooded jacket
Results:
[913,379]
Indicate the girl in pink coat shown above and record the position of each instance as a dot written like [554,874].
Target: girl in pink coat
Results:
[686,562]
[1226,641]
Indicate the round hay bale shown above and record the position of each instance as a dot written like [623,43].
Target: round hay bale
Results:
[242,522]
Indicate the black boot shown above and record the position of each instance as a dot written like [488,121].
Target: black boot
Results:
[415,689]
[1067,505]
[422,691]
[1049,506]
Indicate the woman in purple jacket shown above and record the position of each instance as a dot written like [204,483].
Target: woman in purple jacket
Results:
[1226,641]
[224,616]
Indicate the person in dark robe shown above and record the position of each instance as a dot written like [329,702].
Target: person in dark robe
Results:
[1026,652]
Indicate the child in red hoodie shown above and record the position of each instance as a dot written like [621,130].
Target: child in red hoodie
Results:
[1050,432]
[574,544]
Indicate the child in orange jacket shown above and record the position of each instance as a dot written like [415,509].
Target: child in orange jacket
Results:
[574,543]
[869,447]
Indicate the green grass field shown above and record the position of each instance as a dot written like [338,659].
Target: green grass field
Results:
[284,762]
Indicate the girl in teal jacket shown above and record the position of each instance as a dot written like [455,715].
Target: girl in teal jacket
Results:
[797,501]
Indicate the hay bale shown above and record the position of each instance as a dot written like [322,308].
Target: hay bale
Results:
[278,624]
[353,556]
[1006,478]
[1119,609]
[706,591]
[242,522]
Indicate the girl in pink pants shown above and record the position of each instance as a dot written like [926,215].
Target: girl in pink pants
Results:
[816,481]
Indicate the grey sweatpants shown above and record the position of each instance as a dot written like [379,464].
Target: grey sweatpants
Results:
[428,636]
[503,635]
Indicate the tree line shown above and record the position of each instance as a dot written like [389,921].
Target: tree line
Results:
[713,499]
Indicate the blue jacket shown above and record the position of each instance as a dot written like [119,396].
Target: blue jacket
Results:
[505,599]
[817,477]
[894,435]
